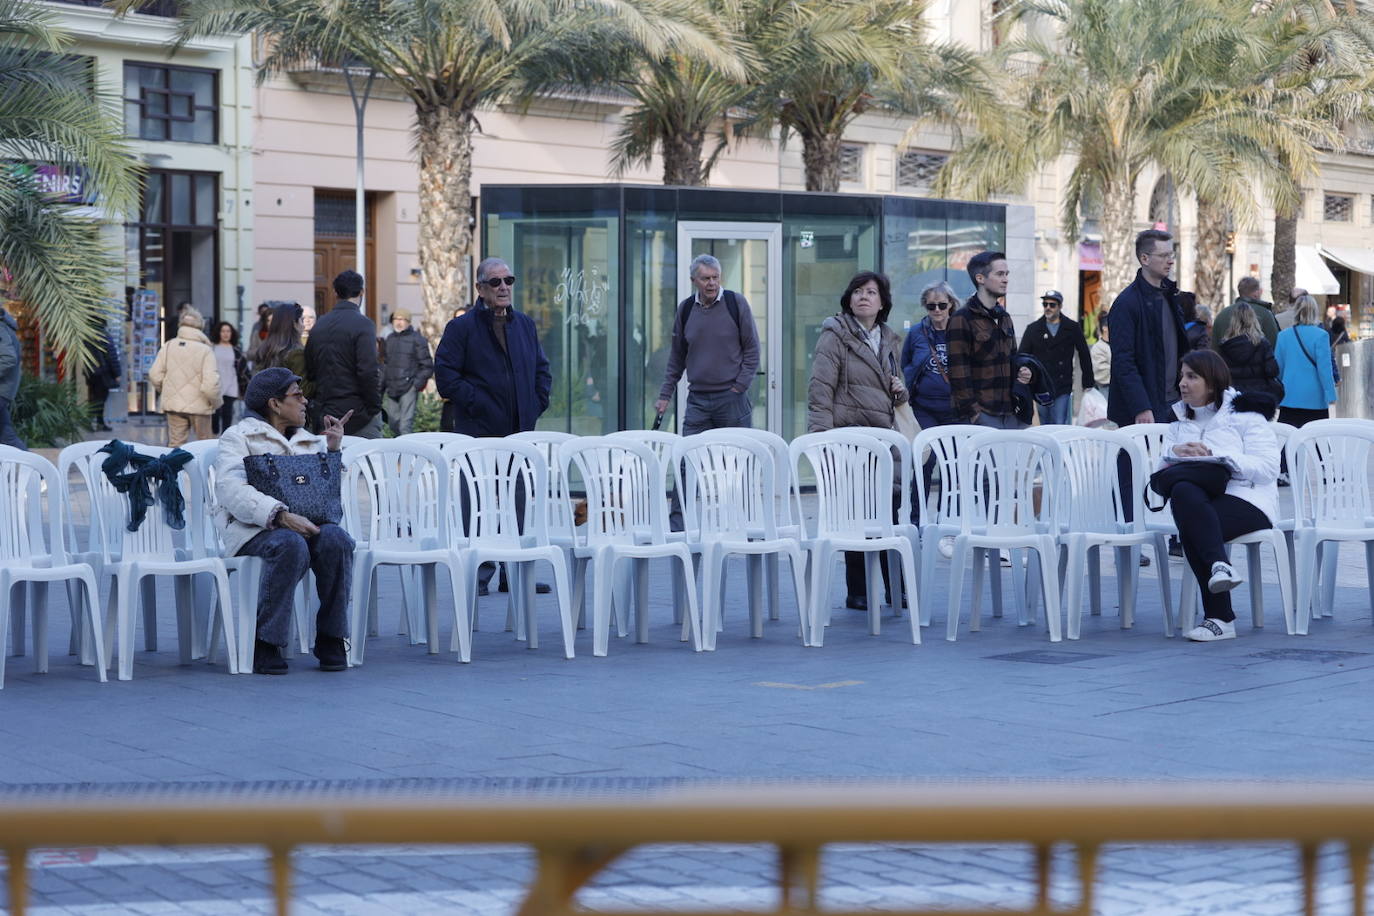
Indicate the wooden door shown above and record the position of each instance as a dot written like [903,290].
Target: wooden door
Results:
[335,250]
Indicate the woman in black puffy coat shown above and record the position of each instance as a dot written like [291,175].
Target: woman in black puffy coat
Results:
[1250,356]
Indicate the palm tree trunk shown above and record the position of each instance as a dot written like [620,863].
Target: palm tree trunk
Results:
[1119,264]
[821,158]
[1284,276]
[682,159]
[1209,270]
[445,147]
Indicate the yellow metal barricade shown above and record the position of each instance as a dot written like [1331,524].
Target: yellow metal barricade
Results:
[574,840]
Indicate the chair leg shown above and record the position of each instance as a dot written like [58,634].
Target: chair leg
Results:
[1286,594]
[983,562]
[1305,551]
[1254,572]
[797,562]
[641,599]
[754,573]
[1095,579]
[92,637]
[958,562]
[1127,583]
[603,570]
[464,595]
[427,609]
[1166,594]
[364,580]
[712,563]
[693,611]
[1074,561]
[771,563]
[149,590]
[7,590]
[18,619]
[38,600]
[564,596]
[1048,575]
[913,609]
[129,588]
[872,577]
[1329,564]
[822,558]
[183,591]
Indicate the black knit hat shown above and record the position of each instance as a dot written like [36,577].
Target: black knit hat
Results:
[266,385]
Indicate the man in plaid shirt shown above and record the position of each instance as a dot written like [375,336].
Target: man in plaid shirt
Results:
[981,344]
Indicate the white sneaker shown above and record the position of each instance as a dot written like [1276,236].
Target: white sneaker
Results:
[1210,630]
[1224,578]
[947,548]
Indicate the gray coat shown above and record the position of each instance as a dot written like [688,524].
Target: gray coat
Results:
[9,356]
[849,384]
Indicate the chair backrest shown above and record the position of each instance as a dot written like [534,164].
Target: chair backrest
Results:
[28,531]
[626,494]
[1329,461]
[945,443]
[782,470]
[499,486]
[1150,437]
[659,442]
[727,484]
[154,539]
[438,440]
[556,503]
[853,472]
[1012,479]
[206,452]
[1091,491]
[406,487]
[902,445]
[92,537]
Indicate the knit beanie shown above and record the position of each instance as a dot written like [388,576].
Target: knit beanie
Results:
[266,385]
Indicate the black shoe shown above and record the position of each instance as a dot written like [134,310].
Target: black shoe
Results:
[267,659]
[856,604]
[483,591]
[540,588]
[1144,560]
[332,653]
[1175,547]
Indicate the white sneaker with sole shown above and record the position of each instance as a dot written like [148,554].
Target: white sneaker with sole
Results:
[1224,578]
[1211,629]
[947,548]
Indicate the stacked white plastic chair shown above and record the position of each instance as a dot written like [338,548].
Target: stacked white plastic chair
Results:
[1094,517]
[501,482]
[1011,479]
[661,443]
[854,479]
[727,484]
[626,520]
[134,559]
[85,538]
[1329,462]
[404,523]
[784,506]
[902,471]
[557,507]
[33,550]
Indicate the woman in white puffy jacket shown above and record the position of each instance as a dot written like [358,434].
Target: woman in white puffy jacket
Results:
[1214,419]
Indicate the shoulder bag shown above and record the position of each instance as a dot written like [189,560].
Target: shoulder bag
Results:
[1210,476]
[309,485]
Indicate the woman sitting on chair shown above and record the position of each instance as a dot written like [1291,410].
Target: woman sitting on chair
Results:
[251,523]
[1214,420]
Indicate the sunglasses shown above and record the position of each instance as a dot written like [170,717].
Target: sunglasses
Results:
[937,306]
[497,281]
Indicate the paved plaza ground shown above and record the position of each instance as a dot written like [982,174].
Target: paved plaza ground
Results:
[1003,704]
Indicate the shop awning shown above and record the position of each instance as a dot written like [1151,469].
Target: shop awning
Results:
[1357,259]
[1313,275]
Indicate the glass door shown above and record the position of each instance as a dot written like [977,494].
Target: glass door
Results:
[750,256]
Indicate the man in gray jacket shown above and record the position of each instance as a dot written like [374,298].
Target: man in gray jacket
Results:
[408,369]
[9,377]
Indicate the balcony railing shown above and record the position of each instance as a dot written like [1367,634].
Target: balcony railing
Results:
[167,8]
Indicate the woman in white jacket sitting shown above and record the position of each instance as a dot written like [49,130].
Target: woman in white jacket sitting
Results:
[251,523]
[1214,419]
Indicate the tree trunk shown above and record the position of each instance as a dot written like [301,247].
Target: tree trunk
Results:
[1119,264]
[1209,269]
[1284,277]
[821,158]
[445,148]
[682,159]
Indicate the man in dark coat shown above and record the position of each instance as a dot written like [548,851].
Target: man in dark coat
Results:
[491,369]
[341,362]
[407,370]
[1054,340]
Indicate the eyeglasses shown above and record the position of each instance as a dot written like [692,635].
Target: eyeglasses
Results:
[497,281]
[297,395]
[937,306]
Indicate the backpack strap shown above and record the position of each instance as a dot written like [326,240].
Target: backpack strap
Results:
[731,306]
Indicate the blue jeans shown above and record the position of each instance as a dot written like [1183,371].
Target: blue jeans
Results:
[7,434]
[287,556]
[1055,412]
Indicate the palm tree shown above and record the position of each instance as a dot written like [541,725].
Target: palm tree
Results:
[50,247]
[822,63]
[1122,86]
[452,58]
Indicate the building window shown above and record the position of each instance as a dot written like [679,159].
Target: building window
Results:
[852,162]
[171,103]
[1337,208]
[916,171]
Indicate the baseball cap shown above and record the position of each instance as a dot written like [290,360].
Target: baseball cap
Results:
[1054,294]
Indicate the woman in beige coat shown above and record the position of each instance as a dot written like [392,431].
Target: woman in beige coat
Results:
[186,377]
[856,380]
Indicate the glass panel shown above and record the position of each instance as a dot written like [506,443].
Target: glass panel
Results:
[651,297]
[203,129]
[151,76]
[913,258]
[744,268]
[200,83]
[180,195]
[152,198]
[155,104]
[132,113]
[205,200]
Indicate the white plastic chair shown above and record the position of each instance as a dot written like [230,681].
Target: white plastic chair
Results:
[85,540]
[902,472]
[626,519]
[135,558]
[854,477]
[493,478]
[438,440]
[1329,463]
[784,517]
[32,550]
[728,490]
[405,523]
[1150,437]
[1094,517]
[557,506]
[1000,474]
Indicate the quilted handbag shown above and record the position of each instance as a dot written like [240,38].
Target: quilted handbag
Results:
[309,485]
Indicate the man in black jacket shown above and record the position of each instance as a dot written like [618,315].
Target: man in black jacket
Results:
[1054,339]
[408,369]
[341,362]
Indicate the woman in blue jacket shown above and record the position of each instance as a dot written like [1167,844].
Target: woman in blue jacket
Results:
[1304,356]
[925,366]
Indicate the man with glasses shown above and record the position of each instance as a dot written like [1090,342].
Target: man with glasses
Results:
[1148,339]
[1054,340]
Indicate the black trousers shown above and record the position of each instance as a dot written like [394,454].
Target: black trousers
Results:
[1204,526]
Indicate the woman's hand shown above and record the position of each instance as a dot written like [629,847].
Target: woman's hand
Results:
[297,523]
[897,385]
[1192,450]
[334,430]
